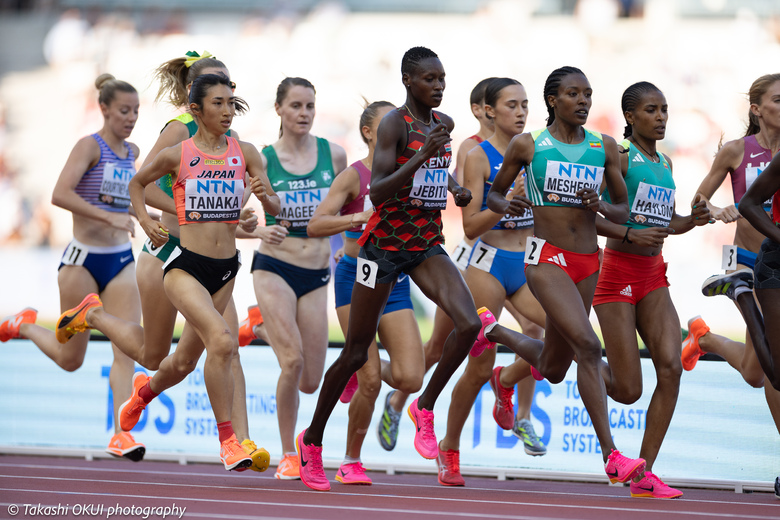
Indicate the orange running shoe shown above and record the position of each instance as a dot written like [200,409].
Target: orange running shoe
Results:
[260,456]
[130,411]
[9,327]
[288,468]
[74,320]
[691,351]
[233,455]
[246,331]
[123,445]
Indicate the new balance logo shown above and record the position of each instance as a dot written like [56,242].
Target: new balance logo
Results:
[626,291]
[558,259]
[545,142]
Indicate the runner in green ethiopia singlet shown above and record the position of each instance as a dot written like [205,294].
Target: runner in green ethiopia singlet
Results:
[300,194]
[559,170]
[650,188]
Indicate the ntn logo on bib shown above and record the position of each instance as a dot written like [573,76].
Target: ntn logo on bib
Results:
[429,187]
[299,206]
[652,206]
[212,200]
[563,180]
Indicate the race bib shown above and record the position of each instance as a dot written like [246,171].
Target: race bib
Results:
[299,206]
[366,272]
[653,206]
[151,248]
[429,188]
[460,256]
[75,254]
[533,250]
[562,181]
[526,220]
[213,200]
[482,256]
[729,261]
[751,173]
[113,188]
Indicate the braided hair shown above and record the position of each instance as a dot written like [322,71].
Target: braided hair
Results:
[631,97]
[413,57]
[552,85]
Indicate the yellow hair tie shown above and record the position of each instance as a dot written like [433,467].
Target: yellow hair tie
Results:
[193,56]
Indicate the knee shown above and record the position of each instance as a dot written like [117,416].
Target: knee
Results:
[354,359]
[409,384]
[626,392]
[183,366]
[554,376]
[468,326]
[71,365]
[755,379]
[151,362]
[589,351]
[308,387]
[222,347]
[481,374]
[369,386]
[669,371]
[292,365]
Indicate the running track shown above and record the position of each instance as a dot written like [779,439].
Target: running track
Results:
[207,491]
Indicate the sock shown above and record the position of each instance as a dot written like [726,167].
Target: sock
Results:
[225,430]
[351,460]
[741,289]
[146,393]
[490,327]
[291,454]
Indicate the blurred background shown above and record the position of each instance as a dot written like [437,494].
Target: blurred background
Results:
[703,54]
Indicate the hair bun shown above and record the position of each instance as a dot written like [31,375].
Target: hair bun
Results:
[103,79]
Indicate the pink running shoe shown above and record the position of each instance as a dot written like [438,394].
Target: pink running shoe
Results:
[350,389]
[310,459]
[650,486]
[536,374]
[503,409]
[425,437]
[130,411]
[9,327]
[353,474]
[449,468]
[482,343]
[620,468]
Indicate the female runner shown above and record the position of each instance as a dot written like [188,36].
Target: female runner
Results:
[632,294]
[200,273]
[291,270]
[93,186]
[565,166]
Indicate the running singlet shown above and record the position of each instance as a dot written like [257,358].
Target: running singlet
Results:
[559,170]
[410,220]
[300,194]
[105,184]
[754,161]
[650,188]
[362,202]
[526,220]
[165,182]
[210,188]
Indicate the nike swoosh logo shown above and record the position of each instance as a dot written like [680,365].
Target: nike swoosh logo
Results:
[303,462]
[125,259]
[647,488]
[326,278]
[752,155]
[615,474]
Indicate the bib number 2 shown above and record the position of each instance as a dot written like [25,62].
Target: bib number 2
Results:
[533,250]
[366,272]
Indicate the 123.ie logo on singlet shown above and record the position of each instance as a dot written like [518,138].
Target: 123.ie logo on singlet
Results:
[563,180]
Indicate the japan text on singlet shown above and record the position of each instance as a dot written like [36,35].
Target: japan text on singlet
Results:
[526,220]
[165,182]
[754,161]
[300,194]
[650,189]
[411,219]
[559,170]
[105,184]
[210,188]
[362,202]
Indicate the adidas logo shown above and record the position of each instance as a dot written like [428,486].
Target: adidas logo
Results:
[545,142]
[558,259]
[638,158]
[626,291]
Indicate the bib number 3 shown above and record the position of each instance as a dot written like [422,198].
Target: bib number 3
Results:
[366,272]
[729,261]
[533,250]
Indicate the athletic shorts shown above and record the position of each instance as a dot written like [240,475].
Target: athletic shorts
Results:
[505,266]
[746,257]
[344,279]
[391,264]
[577,265]
[164,252]
[626,277]
[104,263]
[460,255]
[766,273]
[212,273]
[301,280]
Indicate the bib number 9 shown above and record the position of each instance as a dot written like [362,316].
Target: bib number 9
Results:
[366,272]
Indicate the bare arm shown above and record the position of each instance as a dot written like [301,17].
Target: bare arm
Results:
[618,210]
[260,184]
[326,220]
[518,155]
[476,221]
[726,161]
[166,161]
